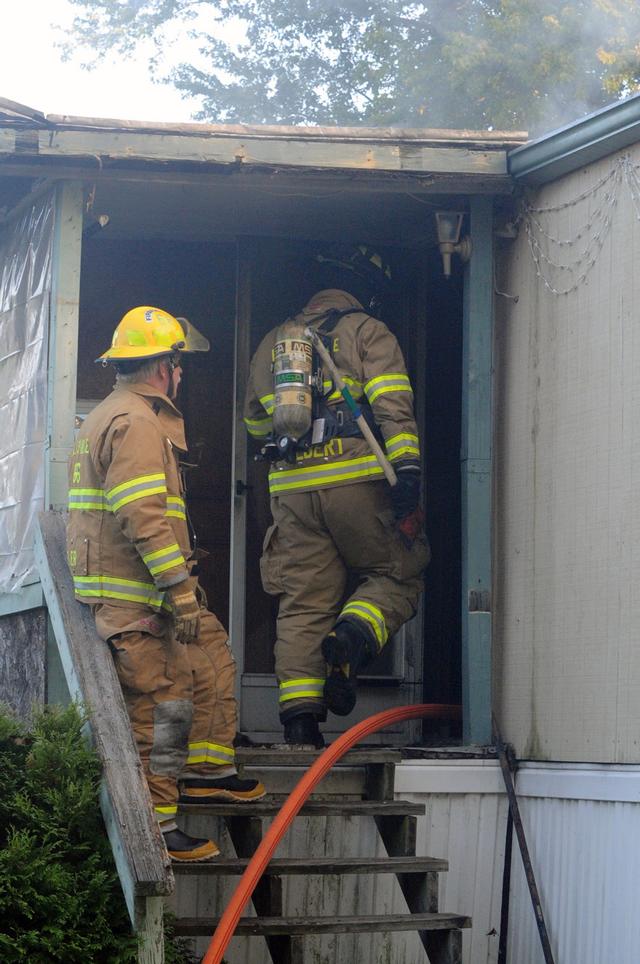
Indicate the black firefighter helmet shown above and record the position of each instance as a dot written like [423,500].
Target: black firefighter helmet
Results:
[360,270]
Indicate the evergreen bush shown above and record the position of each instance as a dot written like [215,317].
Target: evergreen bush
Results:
[60,897]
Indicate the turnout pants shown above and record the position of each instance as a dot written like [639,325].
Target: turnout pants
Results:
[317,541]
[180,698]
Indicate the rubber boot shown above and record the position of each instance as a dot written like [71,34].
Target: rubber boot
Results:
[346,649]
[212,789]
[303,730]
[183,848]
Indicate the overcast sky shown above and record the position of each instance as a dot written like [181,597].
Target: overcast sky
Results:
[32,72]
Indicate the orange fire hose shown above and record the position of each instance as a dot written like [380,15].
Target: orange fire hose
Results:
[256,867]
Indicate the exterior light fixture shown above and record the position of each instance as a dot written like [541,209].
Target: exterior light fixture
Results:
[98,222]
[449,226]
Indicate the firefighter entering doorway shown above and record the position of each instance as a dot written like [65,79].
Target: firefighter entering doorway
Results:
[335,517]
[130,553]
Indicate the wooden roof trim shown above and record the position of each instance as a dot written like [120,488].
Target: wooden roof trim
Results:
[483,139]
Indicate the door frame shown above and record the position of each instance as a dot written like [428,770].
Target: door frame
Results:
[257,692]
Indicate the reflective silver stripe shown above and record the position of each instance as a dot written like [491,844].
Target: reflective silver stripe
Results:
[402,444]
[88,499]
[176,507]
[210,753]
[370,614]
[259,427]
[296,689]
[396,382]
[162,559]
[114,588]
[139,488]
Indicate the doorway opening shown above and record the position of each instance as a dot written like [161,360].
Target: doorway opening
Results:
[198,278]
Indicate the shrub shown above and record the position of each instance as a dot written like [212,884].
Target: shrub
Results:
[60,897]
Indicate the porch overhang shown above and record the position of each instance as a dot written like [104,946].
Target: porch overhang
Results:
[440,161]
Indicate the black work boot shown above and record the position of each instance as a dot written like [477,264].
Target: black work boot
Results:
[346,649]
[303,730]
[181,847]
[211,789]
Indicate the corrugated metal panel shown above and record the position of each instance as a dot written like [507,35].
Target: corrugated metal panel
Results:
[468,830]
[585,855]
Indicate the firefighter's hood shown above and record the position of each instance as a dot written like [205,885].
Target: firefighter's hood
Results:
[331,298]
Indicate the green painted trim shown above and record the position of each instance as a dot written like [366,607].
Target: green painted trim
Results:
[397,154]
[476,480]
[63,340]
[30,597]
[589,139]
[117,795]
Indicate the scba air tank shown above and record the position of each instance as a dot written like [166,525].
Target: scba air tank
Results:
[292,375]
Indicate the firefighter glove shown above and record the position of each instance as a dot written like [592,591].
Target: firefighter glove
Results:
[186,613]
[405,494]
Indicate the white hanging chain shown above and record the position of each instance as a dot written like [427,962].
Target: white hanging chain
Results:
[595,228]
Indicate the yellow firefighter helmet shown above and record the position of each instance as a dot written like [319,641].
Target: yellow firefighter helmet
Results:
[147,332]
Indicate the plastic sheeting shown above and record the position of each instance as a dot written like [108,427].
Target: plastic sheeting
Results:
[25,290]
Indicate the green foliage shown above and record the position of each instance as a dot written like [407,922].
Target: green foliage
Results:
[438,63]
[60,898]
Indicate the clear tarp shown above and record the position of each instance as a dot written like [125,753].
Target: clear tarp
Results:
[25,293]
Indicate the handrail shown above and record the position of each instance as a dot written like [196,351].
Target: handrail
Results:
[139,853]
[256,867]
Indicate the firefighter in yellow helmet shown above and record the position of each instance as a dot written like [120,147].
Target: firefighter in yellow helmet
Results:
[336,521]
[129,551]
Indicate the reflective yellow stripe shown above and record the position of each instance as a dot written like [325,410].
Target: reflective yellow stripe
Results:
[162,559]
[402,444]
[370,614]
[114,587]
[295,689]
[88,499]
[354,386]
[330,473]
[259,427]
[176,508]
[138,488]
[169,811]
[394,382]
[296,682]
[204,752]
[268,403]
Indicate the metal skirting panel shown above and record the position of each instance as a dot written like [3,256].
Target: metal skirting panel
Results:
[583,830]
[585,853]
[465,823]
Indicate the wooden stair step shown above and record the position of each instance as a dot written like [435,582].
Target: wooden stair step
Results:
[264,756]
[313,808]
[317,865]
[362,924]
